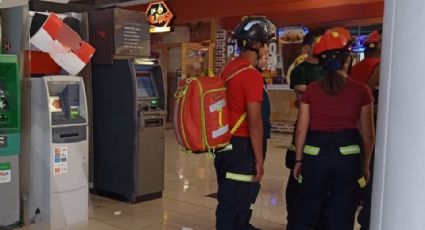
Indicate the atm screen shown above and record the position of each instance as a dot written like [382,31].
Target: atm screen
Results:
[55,104]
[145,85]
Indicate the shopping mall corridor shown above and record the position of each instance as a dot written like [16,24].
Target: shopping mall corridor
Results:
[187,202]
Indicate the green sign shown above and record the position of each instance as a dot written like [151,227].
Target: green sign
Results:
[5,166]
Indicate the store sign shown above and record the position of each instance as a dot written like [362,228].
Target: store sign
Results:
[273,53]
[63,44]
[159,16]
[232,48]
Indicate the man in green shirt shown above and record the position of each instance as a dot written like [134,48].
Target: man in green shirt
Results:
[309,70]
[302,75]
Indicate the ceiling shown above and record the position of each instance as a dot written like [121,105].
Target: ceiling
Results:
[105,2]
[282,12]
[312,13]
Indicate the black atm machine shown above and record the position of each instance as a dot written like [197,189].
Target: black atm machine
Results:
[129,112]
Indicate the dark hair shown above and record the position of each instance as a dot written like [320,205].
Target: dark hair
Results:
[332,61]
[311,36]
[332,83]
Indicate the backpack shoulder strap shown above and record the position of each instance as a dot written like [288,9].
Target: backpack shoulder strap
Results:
[238,123]
[238,72]
[244,115]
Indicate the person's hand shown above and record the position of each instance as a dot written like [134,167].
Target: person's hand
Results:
[366,174]
[259,169]
[297,104]
[297,170]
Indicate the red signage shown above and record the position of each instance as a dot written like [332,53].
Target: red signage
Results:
[159,16]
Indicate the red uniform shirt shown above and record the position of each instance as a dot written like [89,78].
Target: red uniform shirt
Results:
[245,87]
[362,71]
[338,112]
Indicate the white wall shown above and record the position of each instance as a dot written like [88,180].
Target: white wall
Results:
[12,3]
[399,184]
[179,35]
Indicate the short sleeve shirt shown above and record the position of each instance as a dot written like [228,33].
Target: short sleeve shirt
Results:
[336,112]
[305,73]
[244,88]
[363,70]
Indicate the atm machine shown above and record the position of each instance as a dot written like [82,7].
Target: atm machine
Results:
[129,108]
[129,115]
[10,123]
[58,193]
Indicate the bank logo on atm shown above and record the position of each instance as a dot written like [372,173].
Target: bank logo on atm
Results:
[5,173]
[159,16]
[63,44]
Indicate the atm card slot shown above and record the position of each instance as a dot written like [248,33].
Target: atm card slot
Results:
[69,135]
[153,122]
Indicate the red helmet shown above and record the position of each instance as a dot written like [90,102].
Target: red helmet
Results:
[343,31]
[333,39]
[373,39]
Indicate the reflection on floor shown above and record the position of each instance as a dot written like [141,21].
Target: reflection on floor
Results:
[185,204]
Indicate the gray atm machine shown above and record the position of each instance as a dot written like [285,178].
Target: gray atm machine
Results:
[58,193]
[129,114]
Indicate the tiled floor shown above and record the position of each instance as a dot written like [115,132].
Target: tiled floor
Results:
[184,206]
[188,180]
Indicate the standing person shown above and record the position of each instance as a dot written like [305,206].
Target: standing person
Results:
[367,71]
[265,105]
[332,154]
[301,76]
[240,170]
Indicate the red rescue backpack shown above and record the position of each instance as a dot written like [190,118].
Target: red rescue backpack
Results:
[201,115]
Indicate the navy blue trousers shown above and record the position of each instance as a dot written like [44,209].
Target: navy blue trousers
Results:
[236,196]
[329,178]
[366,199]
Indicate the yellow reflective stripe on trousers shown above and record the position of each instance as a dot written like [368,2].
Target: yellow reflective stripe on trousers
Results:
[311,150]
[252,206]
[350,150]
[239,177]
[292,147]
[227,148]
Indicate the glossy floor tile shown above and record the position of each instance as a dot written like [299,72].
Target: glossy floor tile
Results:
[185,205]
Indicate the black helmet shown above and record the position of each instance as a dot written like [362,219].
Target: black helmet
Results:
[254,29]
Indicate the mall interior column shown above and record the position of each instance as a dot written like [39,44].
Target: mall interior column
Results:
[399,186]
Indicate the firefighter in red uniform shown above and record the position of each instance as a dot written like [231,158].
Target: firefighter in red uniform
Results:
[367,71]
[240,170]
[329,145]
